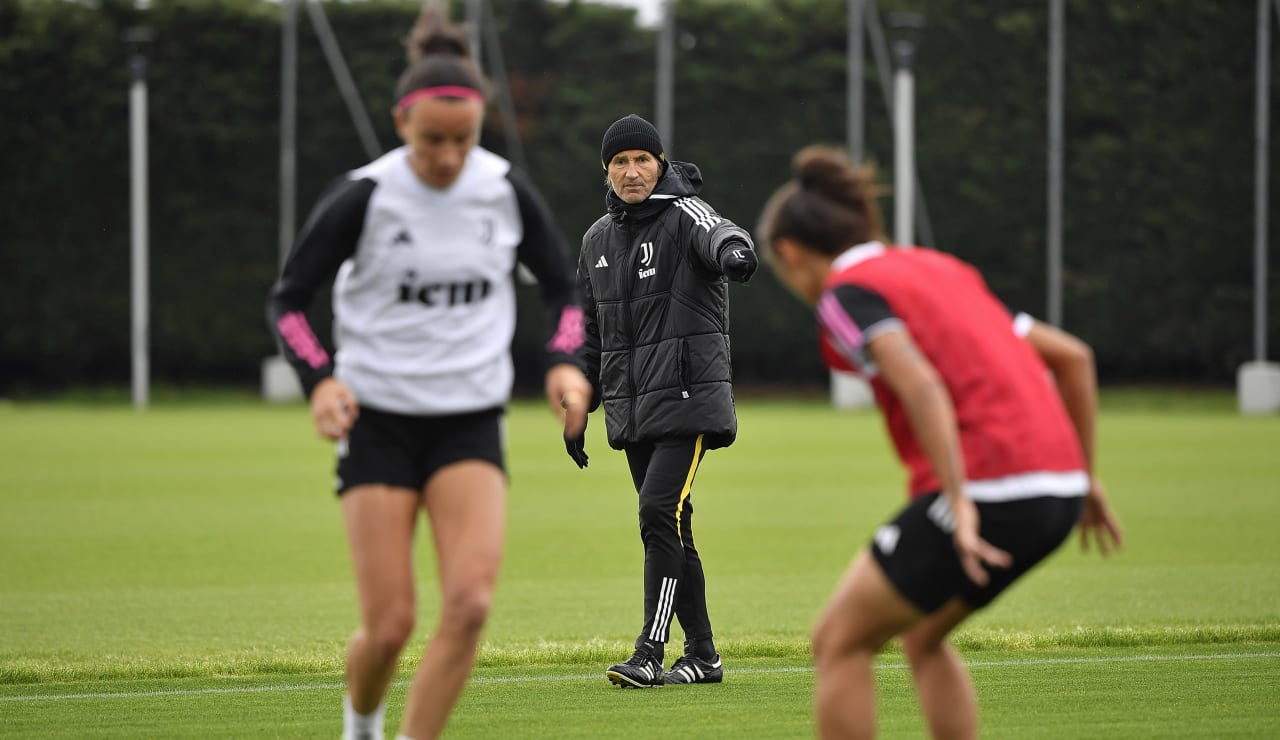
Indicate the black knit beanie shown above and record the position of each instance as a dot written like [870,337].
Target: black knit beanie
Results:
[631,132]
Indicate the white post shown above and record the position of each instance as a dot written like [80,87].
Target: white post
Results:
[279,383]
[849,391]
[903,25]
[1262,136]
[475,19]
[904,155]
[1258,382]
[856,114]
[664,104]
[288,125]
[1054,257]
[138,218]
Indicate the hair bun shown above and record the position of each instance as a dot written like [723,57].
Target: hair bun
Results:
[432,34]
[821,169]
[827,170]
[828,206]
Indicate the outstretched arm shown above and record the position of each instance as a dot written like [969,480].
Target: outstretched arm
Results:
[719,245]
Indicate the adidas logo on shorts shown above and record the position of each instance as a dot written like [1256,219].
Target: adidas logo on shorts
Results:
[887,538]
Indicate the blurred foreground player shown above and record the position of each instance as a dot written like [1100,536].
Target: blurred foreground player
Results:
[999,458]
[424,241]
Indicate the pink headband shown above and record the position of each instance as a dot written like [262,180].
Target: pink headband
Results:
[440,91]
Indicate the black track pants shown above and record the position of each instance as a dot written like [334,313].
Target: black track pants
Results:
[663,473]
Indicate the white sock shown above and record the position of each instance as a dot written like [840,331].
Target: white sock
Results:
[356,725]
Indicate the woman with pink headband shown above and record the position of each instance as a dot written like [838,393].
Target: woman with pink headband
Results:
[423,242]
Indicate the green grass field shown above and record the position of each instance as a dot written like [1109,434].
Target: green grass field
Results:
[183,573]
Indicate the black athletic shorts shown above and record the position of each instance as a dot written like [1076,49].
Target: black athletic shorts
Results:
[917,553]
[405,451]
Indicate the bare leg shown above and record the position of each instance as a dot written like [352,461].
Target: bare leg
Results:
[466,503]
[380,522]
[947,697]
[865,612]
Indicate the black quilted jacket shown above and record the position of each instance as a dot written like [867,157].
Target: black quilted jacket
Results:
[657,314]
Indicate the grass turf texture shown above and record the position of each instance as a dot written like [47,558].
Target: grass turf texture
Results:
[195,547]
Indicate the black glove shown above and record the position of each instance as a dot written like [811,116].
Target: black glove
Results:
[738,262]
[576,447]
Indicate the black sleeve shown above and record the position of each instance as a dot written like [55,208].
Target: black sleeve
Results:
[542,251]
[710,234]
[853,315]
[866,307]
[327,239]
[589,353]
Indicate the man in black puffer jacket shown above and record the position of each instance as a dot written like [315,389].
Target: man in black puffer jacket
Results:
[653,274]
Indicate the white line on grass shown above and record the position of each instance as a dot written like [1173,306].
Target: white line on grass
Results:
[285,688]
[281,688]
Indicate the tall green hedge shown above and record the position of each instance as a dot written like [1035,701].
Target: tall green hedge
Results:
[1159,163]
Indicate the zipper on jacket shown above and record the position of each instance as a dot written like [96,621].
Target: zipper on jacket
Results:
[627,295]
[686,371]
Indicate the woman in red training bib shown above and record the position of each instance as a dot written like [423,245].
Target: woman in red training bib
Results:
[992,414]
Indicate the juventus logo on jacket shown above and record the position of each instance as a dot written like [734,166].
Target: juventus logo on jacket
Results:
[646,257]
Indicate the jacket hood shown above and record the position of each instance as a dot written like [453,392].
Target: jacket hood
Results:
[680,180]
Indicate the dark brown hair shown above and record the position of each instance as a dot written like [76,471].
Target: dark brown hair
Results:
[439,55]
[828,206]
